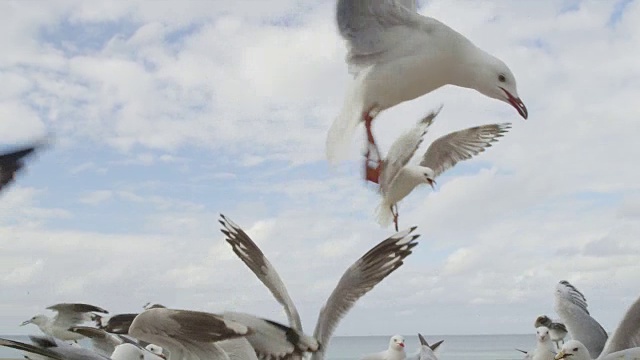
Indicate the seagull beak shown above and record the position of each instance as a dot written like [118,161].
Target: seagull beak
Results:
[562,355]
[401,344]
[432,183]
[25,323]
[517,103]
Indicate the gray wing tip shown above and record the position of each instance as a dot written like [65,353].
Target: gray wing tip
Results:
[423,341]
[435,345]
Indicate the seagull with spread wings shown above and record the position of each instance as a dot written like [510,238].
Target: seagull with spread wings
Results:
[378,263]
[398,178]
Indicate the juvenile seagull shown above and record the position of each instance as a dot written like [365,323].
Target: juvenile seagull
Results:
[395,351]
[68,315]
[557,330]
[397,55]
[571,306]
[624,344]
[399,178]
[357,280]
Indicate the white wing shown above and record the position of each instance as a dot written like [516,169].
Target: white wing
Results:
[571,306]
[627,335]
[253,257]
[187,335]
[375,30]
[402,150]
[461,145]
[359,279]
[574,295]
[273,340]
[73,314]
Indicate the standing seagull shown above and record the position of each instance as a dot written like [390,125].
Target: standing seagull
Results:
[398,178]
[557,330]
[357,280]
[395,351]
[397,55]
[571,306]
[544,347]
[68,315]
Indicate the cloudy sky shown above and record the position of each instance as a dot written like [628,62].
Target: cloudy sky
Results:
[168,113]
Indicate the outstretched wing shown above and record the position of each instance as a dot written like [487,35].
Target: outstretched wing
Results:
[461,145]
[71,314]
[374,29]
[253,257]
[359,279]
[627,335]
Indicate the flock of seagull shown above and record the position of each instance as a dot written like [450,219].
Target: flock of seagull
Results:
[395,55]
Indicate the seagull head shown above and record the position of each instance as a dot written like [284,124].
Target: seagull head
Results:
[497,81]
[542,333]
[573,350]
[397,342]
[429,176]
[38,320]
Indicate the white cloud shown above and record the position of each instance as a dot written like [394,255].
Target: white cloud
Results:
[227,110]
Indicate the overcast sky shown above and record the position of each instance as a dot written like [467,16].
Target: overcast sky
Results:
[168,113]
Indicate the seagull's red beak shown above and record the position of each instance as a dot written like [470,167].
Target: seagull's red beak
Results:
[401,344]
[517,103]
[432,183]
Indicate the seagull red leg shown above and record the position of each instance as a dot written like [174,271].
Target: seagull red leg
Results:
[394,211]
[373,164]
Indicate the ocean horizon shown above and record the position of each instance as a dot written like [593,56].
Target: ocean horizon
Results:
[454,347]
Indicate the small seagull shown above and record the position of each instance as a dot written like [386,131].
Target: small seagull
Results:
[557,330]
[398,178]
[544,346]
[395,351]
[398,55]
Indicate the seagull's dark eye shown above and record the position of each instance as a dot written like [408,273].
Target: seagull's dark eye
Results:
[575,349]
[502,78]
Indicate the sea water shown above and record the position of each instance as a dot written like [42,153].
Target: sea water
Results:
[455,347]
